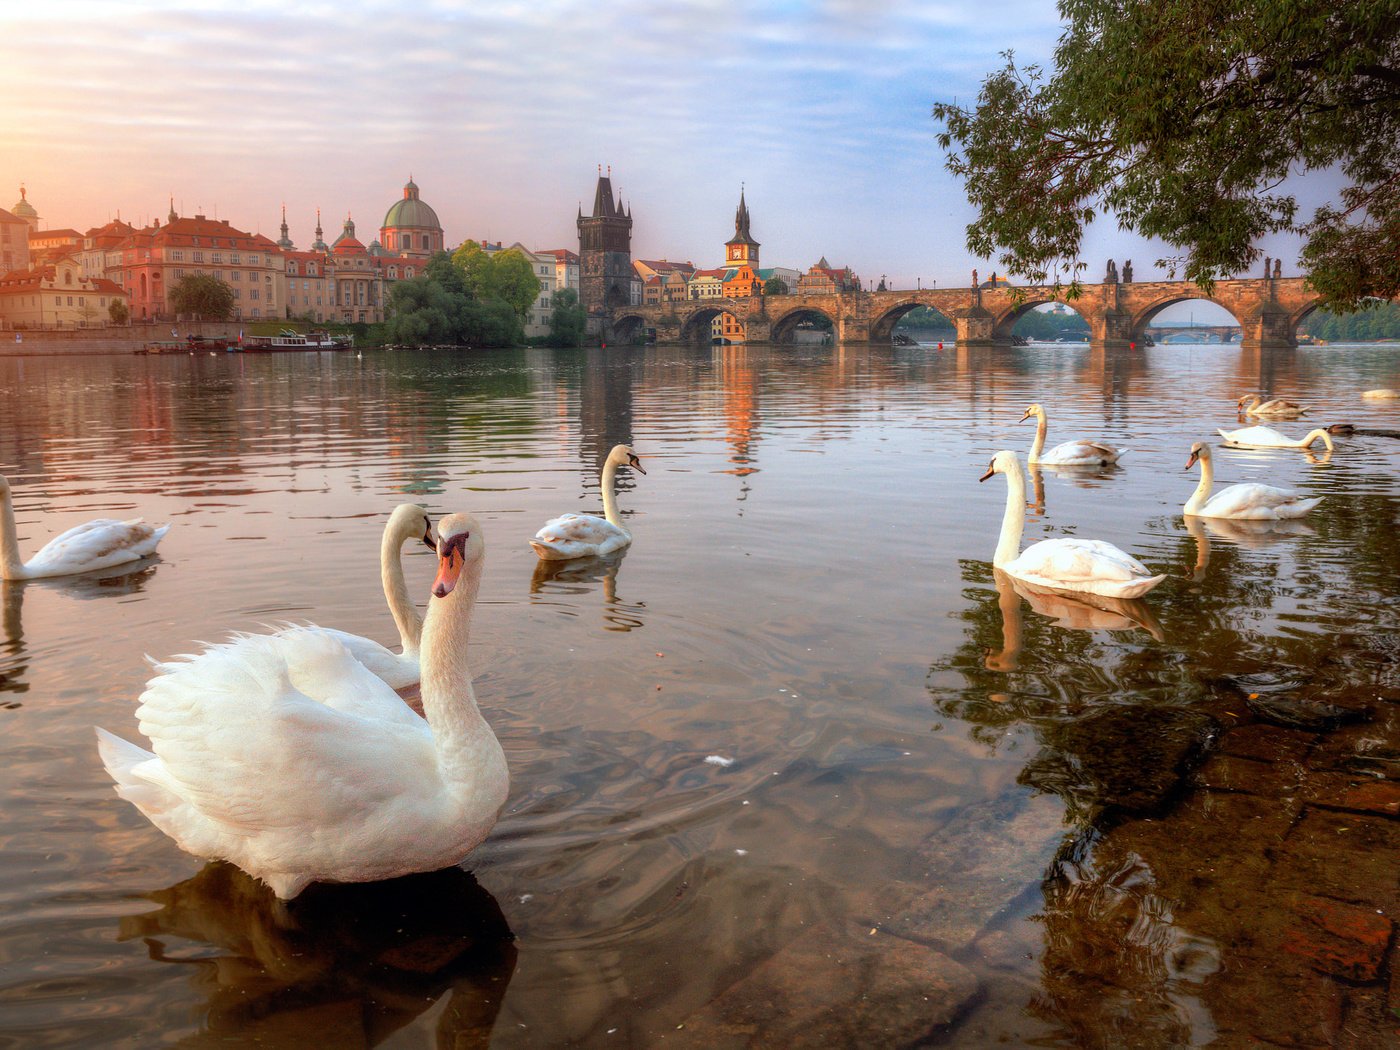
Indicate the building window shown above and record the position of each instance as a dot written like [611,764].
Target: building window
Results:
[177,256]
[218,257]
[238,275]
[198,257]
[426,242]
[252,293]
[234,258]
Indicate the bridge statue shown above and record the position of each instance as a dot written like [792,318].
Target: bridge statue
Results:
[1127,271]
[1111,277]
[1278,269]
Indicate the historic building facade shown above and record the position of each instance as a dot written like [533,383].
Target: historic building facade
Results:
[56,295]
[14,242]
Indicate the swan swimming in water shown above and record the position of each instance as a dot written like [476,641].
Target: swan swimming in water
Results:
[586,535]
[1065,564]
[1080,453]
[97,544]
[283,755]
[1260,502]
[1255,405]
[1268,437]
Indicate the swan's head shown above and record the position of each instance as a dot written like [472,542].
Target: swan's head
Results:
[1200,450]
[623,456]
[1249,398]
[459,545]
[1034,410]
[1004,462]
[411,522]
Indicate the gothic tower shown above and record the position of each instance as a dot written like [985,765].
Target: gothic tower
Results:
[741,249]
[605,252]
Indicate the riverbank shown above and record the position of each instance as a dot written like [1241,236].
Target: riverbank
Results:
[113,340]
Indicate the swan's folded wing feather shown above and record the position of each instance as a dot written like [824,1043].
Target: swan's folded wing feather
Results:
[97,541]
[1073,559]
[1249,500]
[239,732]
[576,528]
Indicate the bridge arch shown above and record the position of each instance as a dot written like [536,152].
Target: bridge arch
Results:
[1004,323]
[1143,318]
[784,328]
[882,328]
[629,328]
[697,327]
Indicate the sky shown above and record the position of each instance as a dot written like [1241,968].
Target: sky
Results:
[502,113]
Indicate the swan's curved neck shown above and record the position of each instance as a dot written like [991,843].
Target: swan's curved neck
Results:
[1014,519]
[1202,493]
[401,606]
[609,496]
[449,703]
[1038,445]
[1314,435]
[11,565]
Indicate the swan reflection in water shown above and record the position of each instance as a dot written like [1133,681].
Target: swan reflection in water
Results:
[1243,532]
[1087,612]
[343,965]
[557,581]
[126,579]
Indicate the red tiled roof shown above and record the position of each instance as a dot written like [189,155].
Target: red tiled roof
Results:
[6,216]
[561,254]
[43,234]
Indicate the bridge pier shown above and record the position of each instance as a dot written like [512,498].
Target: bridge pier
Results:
[1268,327]
[975,326]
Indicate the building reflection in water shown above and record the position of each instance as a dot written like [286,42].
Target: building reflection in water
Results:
[739,388]
[342,965]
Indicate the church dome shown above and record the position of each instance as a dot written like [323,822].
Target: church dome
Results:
[25,210]
[411,211]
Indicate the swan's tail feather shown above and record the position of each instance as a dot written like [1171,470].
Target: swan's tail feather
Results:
[121,758]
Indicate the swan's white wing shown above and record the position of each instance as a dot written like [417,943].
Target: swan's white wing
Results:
[95,545]
[1082,451]
[397,670]
[276,731]
[1077,561]
[1256,501]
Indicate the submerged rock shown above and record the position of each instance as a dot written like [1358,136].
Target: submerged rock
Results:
[1294,712]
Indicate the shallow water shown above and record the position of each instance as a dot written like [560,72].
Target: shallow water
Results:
[809,598]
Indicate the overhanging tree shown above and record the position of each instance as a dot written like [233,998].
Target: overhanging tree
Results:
[1183,118]
[202,295]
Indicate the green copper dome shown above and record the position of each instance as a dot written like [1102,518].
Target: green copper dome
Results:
[411,212]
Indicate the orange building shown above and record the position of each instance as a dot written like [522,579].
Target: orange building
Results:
[56,295]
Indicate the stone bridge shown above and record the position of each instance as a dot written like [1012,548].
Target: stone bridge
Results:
[1268,310]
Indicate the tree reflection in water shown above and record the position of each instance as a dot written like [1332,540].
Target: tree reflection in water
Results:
[339,966]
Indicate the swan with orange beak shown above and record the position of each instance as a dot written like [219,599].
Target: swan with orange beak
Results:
[586,535]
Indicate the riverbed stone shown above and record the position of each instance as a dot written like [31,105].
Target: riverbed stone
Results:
[1269,779]
[831,987]
[1300,712]
[1338,791]
[977,865]
[1372,750]
[1347,940]
[1266,743]
[1345,856]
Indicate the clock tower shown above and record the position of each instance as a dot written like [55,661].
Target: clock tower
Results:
[741,249]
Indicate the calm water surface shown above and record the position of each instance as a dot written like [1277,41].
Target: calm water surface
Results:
[809,598]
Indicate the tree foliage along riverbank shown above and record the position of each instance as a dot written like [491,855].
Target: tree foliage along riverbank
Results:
[1038,325]
[1363,326]
[1182,118]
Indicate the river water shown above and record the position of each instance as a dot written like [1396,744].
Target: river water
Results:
[799,737]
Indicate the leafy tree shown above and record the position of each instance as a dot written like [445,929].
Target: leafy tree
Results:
[436,309]
[1182,117]
[568,322]
[202,295]
[118,312]
[775,286]
[476,269]
[513,279]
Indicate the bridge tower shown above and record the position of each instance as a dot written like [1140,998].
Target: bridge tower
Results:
[606,276]
[741,249]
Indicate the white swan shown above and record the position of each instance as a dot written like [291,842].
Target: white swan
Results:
[1240,501]
[1081,453]
[283,755]
[1268,437]
[1381,394]
[586,535]
[1065,564]
[400,670]
[96,544]
[1278,407]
